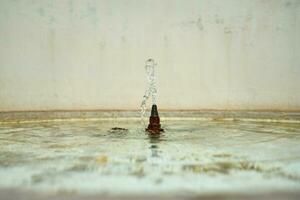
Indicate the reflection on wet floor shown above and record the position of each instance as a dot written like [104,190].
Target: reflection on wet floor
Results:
[119,157]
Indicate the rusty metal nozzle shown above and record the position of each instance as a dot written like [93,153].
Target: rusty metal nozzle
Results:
[154,122]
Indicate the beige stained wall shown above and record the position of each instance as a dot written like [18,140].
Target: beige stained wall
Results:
[211,54]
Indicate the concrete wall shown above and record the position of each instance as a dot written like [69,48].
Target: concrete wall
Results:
[212,54]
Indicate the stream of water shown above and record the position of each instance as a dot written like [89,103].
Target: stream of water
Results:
[151,90]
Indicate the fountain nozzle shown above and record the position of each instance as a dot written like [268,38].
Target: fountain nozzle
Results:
[154,122]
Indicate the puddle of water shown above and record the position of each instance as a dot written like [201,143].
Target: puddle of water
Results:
[118,157]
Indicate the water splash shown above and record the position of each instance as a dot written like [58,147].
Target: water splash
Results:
[151,88]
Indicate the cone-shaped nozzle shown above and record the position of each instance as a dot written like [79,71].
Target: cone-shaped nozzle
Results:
[154,122]
[154,112]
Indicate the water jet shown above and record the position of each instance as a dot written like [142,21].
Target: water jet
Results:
[154,121]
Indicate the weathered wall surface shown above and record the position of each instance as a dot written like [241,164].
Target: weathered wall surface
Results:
[212,54]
